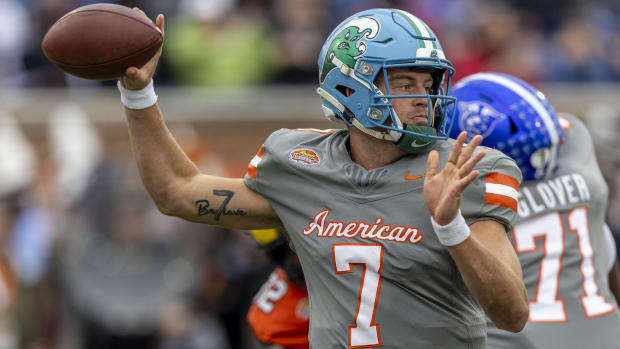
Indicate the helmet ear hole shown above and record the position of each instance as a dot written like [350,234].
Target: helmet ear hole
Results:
[513,127]
[345,91]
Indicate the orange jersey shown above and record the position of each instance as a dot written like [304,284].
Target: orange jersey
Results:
[279,313]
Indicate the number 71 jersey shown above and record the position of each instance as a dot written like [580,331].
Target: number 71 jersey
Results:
[561,246]
[376,273]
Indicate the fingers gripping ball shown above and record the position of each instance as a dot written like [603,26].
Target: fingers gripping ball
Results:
[100,41]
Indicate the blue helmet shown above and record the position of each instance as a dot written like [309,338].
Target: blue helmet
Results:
[511,116]
[367,44]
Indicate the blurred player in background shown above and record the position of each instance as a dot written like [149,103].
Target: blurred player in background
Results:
[9,214]
[279,314]
[566,251]
[395,252]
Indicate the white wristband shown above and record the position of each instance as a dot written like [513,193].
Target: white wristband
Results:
[140,99]
[452,233]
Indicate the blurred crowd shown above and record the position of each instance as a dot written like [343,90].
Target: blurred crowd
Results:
[86,260]
[240,42]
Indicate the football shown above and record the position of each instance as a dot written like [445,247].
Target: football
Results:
[100,41]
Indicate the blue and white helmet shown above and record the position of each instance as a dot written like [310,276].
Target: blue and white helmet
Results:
[513,117]
[368,43]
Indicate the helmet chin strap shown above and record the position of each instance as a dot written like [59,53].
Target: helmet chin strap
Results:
[414,144]
[391,136]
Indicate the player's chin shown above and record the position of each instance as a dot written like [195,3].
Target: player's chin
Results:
[417,121]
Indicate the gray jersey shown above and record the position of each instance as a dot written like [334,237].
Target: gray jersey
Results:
[561,245]
[376,272]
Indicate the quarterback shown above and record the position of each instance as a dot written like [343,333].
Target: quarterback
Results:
[401,233]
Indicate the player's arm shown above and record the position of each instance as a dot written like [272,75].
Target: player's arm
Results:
[492,272]
[484,256]
[179,189]
[171,178]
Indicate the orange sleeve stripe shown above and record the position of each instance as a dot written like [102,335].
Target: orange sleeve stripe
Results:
[501,200]
[253,165]
[500,178]
[261,152]
[252,171]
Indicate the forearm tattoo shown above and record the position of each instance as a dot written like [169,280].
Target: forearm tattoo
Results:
[205,209]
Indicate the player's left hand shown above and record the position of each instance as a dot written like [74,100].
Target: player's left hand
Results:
[443,190]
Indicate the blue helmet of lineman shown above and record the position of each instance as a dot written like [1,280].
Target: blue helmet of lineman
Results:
[367,44]
[513,117]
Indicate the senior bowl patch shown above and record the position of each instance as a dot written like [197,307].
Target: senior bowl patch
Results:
[305,157]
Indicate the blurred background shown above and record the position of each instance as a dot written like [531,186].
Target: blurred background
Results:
[86,261]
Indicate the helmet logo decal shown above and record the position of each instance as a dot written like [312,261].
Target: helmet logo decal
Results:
[347,46]
[305,157]
[478,118]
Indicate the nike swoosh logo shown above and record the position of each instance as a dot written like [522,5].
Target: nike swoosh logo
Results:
[415,144]
[410,178]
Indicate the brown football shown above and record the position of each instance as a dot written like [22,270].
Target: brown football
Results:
[100,41]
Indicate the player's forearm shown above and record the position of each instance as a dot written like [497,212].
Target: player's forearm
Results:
[162,164]
[496,286]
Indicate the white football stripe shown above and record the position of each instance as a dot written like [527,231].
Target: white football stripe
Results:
[418,23]
[255,160]
[424,30]
[501,189]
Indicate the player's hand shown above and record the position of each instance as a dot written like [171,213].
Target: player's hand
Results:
[137,78]
[443,190]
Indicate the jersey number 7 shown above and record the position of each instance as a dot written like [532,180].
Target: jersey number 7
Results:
[365,332]
[546,306]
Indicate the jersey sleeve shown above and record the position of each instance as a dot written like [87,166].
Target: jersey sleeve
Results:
[493,195]
[264,162]
[272,168]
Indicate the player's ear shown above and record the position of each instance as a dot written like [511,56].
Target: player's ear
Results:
[348,92]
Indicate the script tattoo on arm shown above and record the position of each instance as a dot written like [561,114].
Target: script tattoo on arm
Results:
[205,209]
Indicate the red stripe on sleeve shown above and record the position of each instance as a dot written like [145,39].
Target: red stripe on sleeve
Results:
[501,200]
[252,169]
[500,178]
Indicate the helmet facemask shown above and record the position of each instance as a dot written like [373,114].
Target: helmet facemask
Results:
[412,138]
